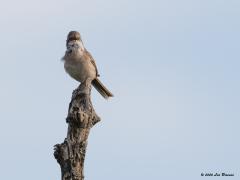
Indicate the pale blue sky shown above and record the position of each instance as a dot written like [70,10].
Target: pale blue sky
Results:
[173,67]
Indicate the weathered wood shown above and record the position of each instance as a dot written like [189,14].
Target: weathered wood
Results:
[81,117]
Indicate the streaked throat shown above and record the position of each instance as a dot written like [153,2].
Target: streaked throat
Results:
[75,45]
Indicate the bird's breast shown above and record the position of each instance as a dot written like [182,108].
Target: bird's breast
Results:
[80,69]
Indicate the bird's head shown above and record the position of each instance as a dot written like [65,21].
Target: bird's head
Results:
[74,41]
[73,36]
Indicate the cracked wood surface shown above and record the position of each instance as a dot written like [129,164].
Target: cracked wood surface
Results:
[81,117]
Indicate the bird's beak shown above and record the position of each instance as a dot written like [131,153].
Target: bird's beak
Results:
[69,51]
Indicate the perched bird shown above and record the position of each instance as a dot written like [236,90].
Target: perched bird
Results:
[80,65]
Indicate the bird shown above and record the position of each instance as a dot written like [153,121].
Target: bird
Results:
[80,65]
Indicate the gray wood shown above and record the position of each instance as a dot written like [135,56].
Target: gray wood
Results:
[81,118]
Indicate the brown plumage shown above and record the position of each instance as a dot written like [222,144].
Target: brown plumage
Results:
[101,88]
[80,65]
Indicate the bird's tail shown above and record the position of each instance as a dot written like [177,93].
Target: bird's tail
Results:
[101,88]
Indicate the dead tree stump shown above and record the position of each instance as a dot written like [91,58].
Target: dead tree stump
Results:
[81,117]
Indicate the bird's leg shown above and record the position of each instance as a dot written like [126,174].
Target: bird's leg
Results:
[88,83]
[84,87]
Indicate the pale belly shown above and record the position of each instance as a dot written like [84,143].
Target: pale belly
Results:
[80,70]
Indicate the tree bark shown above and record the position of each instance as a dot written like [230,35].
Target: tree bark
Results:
[81,117]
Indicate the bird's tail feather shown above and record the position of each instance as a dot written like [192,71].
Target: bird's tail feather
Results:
[101,88]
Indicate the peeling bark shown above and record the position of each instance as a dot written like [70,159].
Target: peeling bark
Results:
[81,117]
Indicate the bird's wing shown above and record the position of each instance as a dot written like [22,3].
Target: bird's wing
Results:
[92,61]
